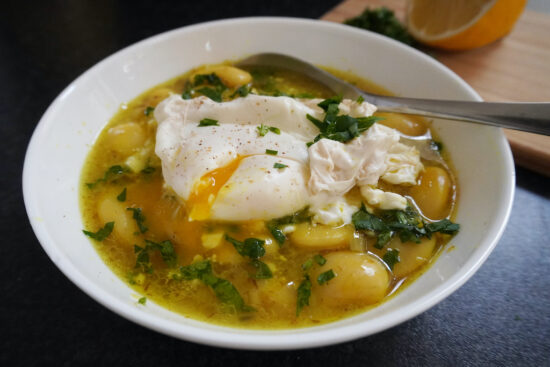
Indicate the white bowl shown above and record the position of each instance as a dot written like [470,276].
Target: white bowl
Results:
[69,127]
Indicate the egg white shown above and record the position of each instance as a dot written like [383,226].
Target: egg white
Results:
[257,190]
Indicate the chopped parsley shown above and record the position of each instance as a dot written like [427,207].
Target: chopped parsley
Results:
[383,239]
[148,110]
[277,233]
[263,130]
[250,247]
[214,88]
[279,165]
[102,233]
[304,290]
[142,301]
[224,290]
[360,99]
[382,21]
[242,91]
[304,293]
[140,219]
[271,152]
[443,226]
[275,224]
[143,263]
[325,277]
[211,79]
[407,224]
[122,196]
[342,128]
[391,257]
[214,94]
[319,259]
[208,122]
[186,94]
[254,249]
[111,172]
[262,270]
[166,250]
[307,265]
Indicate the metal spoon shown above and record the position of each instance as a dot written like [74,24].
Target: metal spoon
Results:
[531,117]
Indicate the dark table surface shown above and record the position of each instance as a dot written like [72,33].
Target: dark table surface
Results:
[500,317]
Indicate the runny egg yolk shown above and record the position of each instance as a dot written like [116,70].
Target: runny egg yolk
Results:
[206,189]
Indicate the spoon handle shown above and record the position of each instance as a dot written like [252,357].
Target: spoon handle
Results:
[530,117]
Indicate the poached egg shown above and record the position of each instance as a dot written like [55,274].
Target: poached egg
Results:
[231,172]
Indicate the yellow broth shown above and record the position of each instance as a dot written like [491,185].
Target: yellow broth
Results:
[166,218]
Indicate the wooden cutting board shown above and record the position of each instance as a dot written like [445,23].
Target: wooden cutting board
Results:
[514,69]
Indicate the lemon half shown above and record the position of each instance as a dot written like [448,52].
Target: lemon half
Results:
[461,24]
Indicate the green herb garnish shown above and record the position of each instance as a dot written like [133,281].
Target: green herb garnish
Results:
[271,152]
[108,176]
[319,259]
[254,249]
[307,265]
[383,21]
[186,94]
[142,300]
[140,219]
[443,226]
[383,239]
[325,277]
[223,289]
[208,122]
[242,91]
[363,220]
[165,248]
[122,195]
[407,224]
[148,110]
[263,130]
[275,130]
[391,257]
[214,89]
[360,99]
[275,224]
[213,94]
[262,270]
[250,247]
[304,292]
[279,165]
[102,233]
[342,128]
[211,79]
[277,233]
[142,259]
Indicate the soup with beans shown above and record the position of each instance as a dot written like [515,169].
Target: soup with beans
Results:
[256,198]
